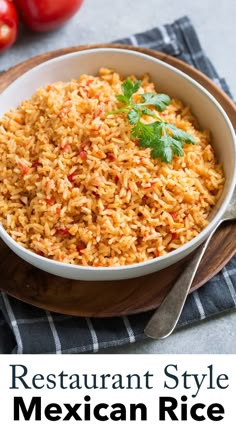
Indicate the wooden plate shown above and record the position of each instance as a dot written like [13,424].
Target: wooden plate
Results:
[111,298]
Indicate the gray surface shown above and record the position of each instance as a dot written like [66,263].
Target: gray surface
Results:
[105,20]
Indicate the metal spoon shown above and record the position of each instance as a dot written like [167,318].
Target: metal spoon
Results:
[165,318]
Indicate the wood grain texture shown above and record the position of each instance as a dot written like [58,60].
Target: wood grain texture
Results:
[111,298]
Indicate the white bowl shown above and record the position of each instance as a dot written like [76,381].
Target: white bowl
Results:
[168,80]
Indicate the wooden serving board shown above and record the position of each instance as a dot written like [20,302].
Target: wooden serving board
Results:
[111,298]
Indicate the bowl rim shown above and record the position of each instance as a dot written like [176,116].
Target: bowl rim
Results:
[187,246]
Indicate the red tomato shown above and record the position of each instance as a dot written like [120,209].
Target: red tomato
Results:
[44,15]
[8,24]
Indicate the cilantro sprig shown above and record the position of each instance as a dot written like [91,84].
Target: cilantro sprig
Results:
[164,138]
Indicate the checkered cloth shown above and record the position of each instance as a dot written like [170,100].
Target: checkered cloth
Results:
[26,329]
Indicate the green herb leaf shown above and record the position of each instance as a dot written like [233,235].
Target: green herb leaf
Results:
[179,134]
[129,88]
[145,134]
[122,98]
[146,111]
[133,116]
[177,147]
[164,138]
[137,86]
[163,149]
[159,101]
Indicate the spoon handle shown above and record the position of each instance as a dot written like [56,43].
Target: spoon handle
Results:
[165,318]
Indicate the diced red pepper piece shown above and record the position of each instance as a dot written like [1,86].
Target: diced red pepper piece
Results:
[80,246]
[50,200]
[23,168]
[65,147]
[111,157]
[83,155]
[173,215]
[40,253]
[35,164]
[174,236]
[70,177]
[62,232]
[157,253]
[117,179]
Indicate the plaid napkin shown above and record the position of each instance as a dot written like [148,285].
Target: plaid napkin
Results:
[27,329]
